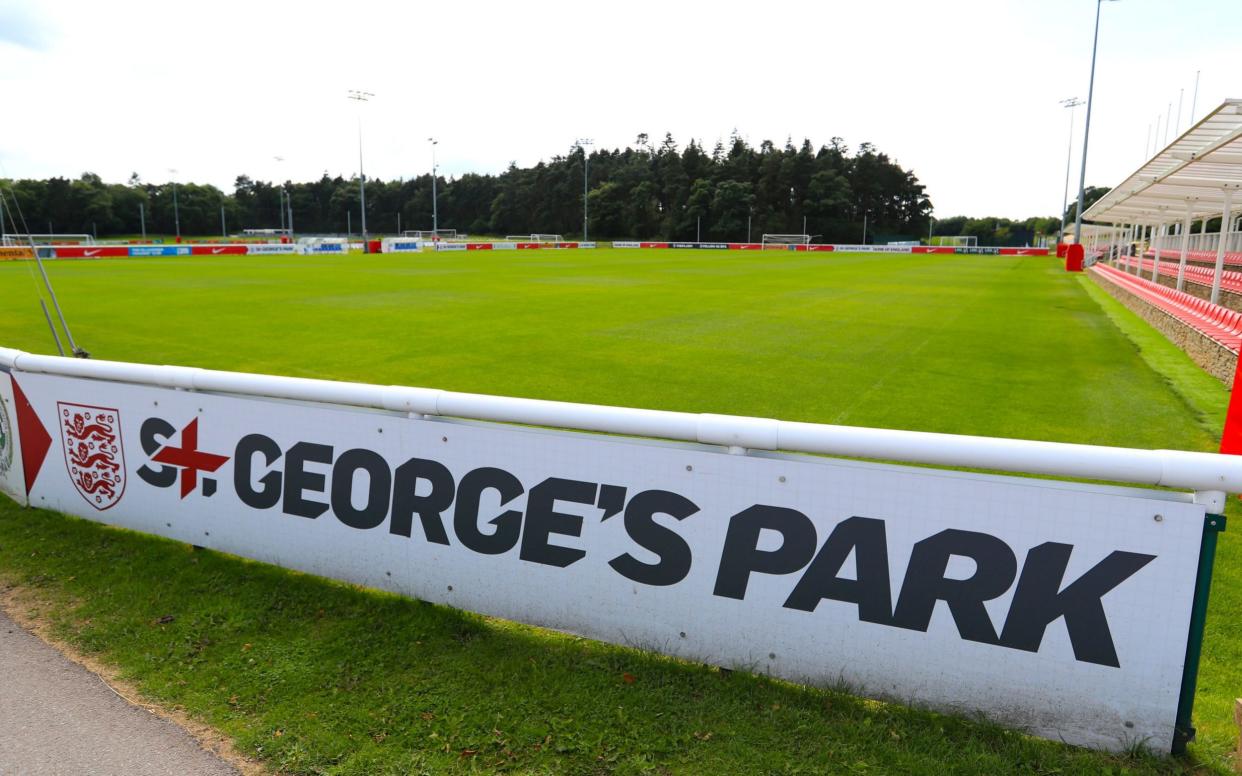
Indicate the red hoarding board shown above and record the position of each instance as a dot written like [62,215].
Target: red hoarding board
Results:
[218,250]
[90,252]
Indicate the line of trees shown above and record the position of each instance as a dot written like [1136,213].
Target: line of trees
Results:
[653,191]
[650,191]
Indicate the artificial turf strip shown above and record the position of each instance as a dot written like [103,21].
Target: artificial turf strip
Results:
[1203,394]
[1002,346]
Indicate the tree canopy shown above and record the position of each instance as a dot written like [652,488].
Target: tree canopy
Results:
[654,191]
[650,190]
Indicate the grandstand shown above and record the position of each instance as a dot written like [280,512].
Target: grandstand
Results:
[1195,178]
[1150,217]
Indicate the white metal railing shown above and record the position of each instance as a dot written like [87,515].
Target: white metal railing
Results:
[1209,473]
[1200,241]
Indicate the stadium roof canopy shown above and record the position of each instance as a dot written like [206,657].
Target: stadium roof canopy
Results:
[1188,179]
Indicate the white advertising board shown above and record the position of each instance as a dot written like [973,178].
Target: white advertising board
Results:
[450,246]
[626,244]
[1058,608]
[400,245]
[256,248]
[872,248]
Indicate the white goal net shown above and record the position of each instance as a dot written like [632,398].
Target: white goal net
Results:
[957,241]
[781,240]
[430,235]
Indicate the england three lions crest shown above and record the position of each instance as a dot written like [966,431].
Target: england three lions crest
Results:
[91,438]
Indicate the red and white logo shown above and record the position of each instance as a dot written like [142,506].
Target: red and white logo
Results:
[91,438]
[89,253]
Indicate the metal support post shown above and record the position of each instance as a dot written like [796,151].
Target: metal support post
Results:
[1225,212]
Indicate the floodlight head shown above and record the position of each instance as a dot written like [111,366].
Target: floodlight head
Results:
[359,95]
[1072,102]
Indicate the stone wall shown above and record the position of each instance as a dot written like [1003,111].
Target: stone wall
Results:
[1216,359]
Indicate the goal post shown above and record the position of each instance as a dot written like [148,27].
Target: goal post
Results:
[784,240]
[956,241]
[430,235]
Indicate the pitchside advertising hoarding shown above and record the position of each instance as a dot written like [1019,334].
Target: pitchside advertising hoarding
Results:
[1058,608]
[816,247]
[160,250]
[287,248]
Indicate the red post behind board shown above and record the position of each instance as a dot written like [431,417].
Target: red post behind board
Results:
[1231,436]
[1073,258]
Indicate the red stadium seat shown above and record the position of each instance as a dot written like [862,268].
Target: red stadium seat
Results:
[1218,323]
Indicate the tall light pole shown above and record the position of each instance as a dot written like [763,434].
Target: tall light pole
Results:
[361,97]
[865,214]
[582,143]
[176,212]
[281,197]
[1086,132]
[435,213]
[1071,103]
[1194,101]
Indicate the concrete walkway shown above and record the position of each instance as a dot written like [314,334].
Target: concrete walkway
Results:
[58,718]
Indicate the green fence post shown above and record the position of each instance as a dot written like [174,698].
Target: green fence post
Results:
[1183,730]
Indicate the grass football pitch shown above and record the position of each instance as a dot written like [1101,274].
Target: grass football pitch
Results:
[315,677]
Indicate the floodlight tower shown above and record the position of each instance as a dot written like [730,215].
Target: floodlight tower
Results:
[176,212]
[1086,132]
[280,193]
[583,143]
[361,97]
[1071,103]
[286,204]
[435,213]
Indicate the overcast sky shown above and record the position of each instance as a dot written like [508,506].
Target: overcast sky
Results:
[964,92]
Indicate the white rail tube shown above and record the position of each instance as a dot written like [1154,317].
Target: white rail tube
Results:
[1169,468]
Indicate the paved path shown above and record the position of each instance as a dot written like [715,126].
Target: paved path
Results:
[58,718]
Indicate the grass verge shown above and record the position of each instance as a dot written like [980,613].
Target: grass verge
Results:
[317,677]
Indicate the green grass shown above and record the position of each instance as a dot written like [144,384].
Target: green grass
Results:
[358,682]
